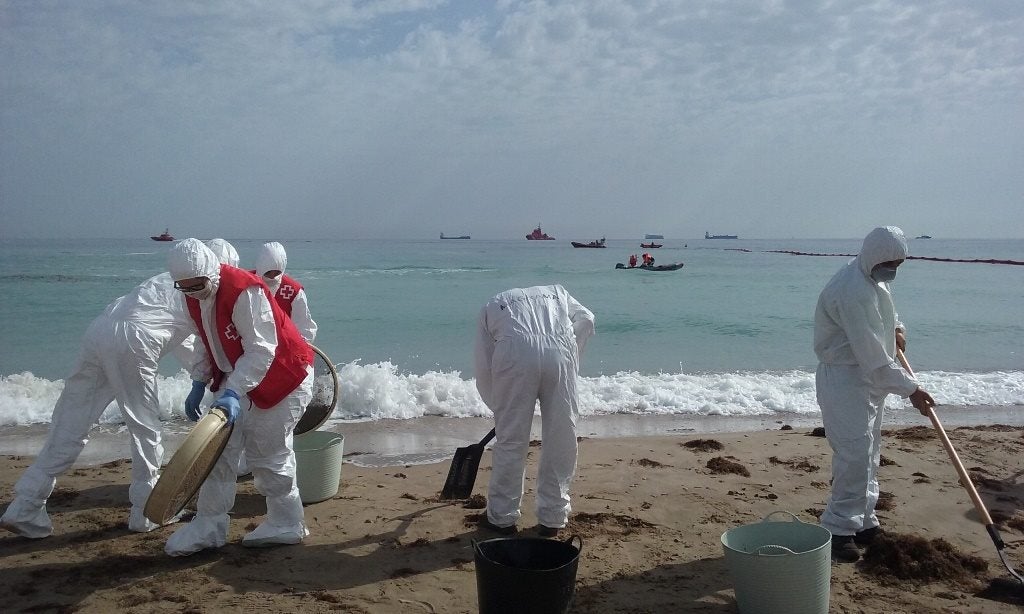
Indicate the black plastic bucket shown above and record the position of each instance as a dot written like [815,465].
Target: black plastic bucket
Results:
[526,574]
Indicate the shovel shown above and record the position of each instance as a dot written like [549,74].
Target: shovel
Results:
[462,475]
[965,480]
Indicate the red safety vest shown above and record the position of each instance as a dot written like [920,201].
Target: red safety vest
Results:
[286,292]
[291,357]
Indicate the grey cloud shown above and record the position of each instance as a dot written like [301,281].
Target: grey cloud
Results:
[404,107]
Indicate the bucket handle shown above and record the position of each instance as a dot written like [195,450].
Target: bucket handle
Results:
[774,550]
[577,538]
[792,516]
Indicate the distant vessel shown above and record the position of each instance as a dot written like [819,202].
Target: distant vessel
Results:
[165,236]
[651,267]
[923,237]
[711,236]
[651,245]
[538,235]
[458,237]
[595,243]
[654,237]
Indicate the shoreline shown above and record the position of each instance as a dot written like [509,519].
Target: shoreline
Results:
[433,439]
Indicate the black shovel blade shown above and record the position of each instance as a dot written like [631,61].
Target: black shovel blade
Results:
[462,474]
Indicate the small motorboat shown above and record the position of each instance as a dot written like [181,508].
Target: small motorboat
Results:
[655,267]
[651,245]
[538,235]
[594,243]
[164,236]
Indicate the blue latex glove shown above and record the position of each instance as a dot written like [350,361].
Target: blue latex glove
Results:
[194,398]
[229,403]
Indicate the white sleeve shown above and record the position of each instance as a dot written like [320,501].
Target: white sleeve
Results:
[188,354]
[254,321]
[482,353]
[891,378]
[302,318]
[582,323]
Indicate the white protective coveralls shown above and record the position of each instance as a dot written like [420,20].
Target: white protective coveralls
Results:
[855,325]
[272,257]
[225,252]
[118,361]
[528,348]
[264,434]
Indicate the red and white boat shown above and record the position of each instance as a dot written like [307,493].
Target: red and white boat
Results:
[538,235]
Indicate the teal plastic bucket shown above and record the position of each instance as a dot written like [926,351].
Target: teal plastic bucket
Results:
[780,567]
[318,458]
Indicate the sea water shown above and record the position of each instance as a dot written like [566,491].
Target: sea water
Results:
[729,334]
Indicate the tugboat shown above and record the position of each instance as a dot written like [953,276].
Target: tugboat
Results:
[538,235]
[595,243]
[165,236]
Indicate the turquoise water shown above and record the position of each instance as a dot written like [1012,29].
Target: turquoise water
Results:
[728,333]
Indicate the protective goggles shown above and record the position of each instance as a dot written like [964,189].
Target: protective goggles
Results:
[192,288]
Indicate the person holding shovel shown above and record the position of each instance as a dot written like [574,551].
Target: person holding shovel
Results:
[856,336]
[528,348]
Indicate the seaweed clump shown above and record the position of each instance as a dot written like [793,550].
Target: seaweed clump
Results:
[895,558]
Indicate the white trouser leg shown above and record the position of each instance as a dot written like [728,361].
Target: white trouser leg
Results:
[270,454]
[852,418]
[86,394]
[133,378]
[515,388]
[209,528]
[559,410]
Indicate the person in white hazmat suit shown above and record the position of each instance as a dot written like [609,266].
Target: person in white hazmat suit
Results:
[118,361]
[271,262]
[258,363]
[528,348]
[856,335]
[225,252]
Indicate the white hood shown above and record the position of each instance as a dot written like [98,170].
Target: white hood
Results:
[224,251]
[191,258]
[882,244]
[271,257]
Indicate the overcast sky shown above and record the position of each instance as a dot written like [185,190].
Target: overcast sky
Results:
[404,118]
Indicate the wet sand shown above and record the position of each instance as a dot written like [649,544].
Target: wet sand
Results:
[433,439]
[649,509]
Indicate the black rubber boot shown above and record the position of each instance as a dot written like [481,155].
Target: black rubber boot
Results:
[865,537]
[844,549]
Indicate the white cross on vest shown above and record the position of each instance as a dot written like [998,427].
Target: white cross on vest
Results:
[287,292]
[230,332]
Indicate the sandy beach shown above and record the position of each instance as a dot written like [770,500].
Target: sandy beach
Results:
[650,512]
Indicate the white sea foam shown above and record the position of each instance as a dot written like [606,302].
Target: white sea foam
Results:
[379,391]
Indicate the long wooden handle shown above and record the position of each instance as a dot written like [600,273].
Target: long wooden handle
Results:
[965,479]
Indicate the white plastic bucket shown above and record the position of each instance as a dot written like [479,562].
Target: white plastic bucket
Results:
[318,457]
[780,567]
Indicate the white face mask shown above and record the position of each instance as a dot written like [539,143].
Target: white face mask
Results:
[203,294]
[272,282]
[883,273]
